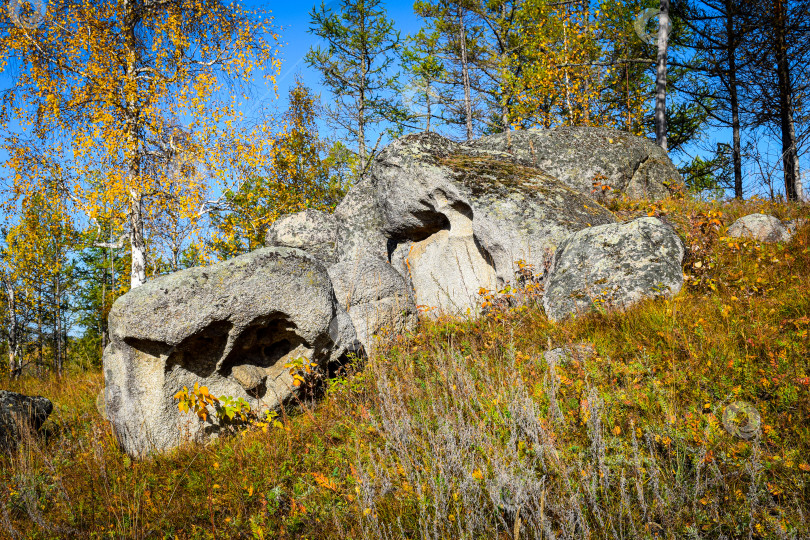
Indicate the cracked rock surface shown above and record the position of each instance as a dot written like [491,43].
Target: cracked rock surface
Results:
[376,297]
[310,230]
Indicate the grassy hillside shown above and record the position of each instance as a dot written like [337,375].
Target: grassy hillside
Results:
[463,430]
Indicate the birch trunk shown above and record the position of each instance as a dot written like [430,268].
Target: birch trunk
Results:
[101,328]
[13,345]
[136,236]
[136,241]
[661,77]
[568,106]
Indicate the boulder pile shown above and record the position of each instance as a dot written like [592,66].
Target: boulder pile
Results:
[431,224]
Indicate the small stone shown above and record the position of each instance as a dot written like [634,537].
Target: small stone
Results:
[760,227]
[562,356]
[250,377]
[793,225]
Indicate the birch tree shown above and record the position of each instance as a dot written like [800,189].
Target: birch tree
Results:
[97,83]
[12,326]
[36,275]
[661,76]
[302,171]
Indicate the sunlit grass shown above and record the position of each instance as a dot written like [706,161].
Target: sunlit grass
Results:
[436,436]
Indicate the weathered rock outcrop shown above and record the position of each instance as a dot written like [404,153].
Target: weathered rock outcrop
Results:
[760,227]
[19,413]
[375,295]
[232,327]
[454,221]
[431,223]
[614,266]
[453,218]
[580,156]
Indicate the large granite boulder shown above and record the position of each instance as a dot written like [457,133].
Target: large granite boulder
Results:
[581,156]
[352,232]
[376,297]
[451,218]
[614,266]
[457,221]
[231,327]
[19,414]
[760,227]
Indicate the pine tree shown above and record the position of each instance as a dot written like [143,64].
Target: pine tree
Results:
[425,70]
[101,277]
[777,54]
[719,28]
[455,41]
[504,58]
[357,66]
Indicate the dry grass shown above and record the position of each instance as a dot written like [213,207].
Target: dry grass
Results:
[464,430]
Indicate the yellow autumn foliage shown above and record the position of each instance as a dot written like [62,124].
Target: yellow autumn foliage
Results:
[99,88]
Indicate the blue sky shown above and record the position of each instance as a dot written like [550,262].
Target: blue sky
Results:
[291,19]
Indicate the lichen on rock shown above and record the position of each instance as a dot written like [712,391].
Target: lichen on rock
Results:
[614,266]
